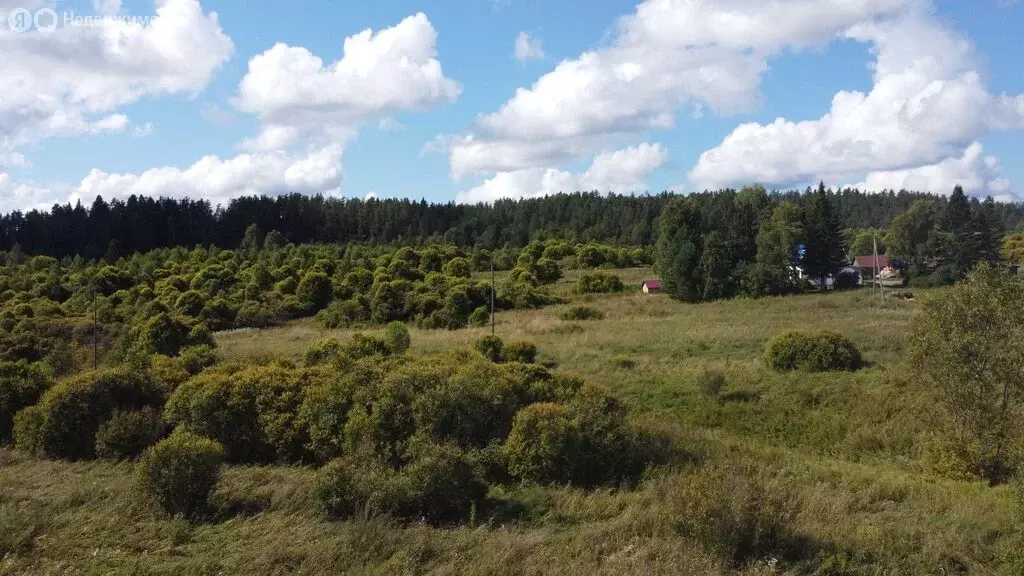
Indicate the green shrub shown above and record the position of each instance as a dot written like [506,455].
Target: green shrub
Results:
[491,347]
[738,514]
[472,406]
[198,358]
[599,283]
[28,429]
[314,292]
[325,411]
[336,315]
[945,275]
[167,373]
[73,410]
[252,413]
[480,317]
[127,434]
[396,338]
[21,385]
[582,313]
[256,315]
[365,346]
[324,351]
[179,473]
[352,485]
[587,442]
[811,351]
[524,352]
[439,485]
[540,444]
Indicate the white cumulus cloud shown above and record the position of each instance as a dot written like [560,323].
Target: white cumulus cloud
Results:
[621,171]
[666,55]
[219,180]
[294,92]
[977,174]
[69,81]
[927,104]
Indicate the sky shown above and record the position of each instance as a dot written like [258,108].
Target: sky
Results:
[476,100]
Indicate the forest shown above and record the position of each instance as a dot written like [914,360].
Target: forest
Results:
[112,228]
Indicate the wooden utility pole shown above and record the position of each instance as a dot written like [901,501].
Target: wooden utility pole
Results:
[492,294]
[95,326]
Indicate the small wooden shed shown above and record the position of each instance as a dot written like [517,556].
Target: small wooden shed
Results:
[650,286]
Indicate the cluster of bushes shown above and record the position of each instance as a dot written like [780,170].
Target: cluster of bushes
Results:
[415,437]
[823,351]
[67,418]
[599,283]
[582,313]
[594,255]
[495,350]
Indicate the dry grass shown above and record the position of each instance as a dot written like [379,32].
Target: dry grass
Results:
[851,449]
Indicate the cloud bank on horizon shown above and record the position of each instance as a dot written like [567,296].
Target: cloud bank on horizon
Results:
[594,121]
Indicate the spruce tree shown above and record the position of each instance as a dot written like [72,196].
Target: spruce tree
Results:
[960,236]
[679,250]
[824,253]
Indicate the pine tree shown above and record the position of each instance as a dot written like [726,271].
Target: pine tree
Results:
[824,253]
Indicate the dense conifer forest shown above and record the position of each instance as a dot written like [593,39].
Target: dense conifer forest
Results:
[111,228]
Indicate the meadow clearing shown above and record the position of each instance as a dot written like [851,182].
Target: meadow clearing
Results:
[838,470]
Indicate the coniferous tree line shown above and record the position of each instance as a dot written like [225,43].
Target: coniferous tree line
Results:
[109,229]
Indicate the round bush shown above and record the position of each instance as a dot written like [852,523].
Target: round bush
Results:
[582,313]
[179,473]
[127,434]
[539,446]
[252,413]
[72,411]
[396,337]
[28,429]
[324,351]
[587,442]
[480,317]
[353,484]
[21,385]
[472,407]
[491,347]
[811,351]
[439,485]
[524,352]
[599,283]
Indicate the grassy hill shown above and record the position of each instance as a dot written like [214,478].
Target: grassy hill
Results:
[837,470]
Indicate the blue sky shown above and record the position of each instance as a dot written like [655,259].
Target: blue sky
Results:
[188,98]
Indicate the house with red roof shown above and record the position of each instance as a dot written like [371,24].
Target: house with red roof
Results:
[867,265]
[650,286]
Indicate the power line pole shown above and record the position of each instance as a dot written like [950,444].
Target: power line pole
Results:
[95,325]
[492,294]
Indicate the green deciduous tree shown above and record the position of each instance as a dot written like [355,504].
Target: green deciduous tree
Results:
[968,345]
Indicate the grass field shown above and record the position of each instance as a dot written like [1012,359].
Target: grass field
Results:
[848,457]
